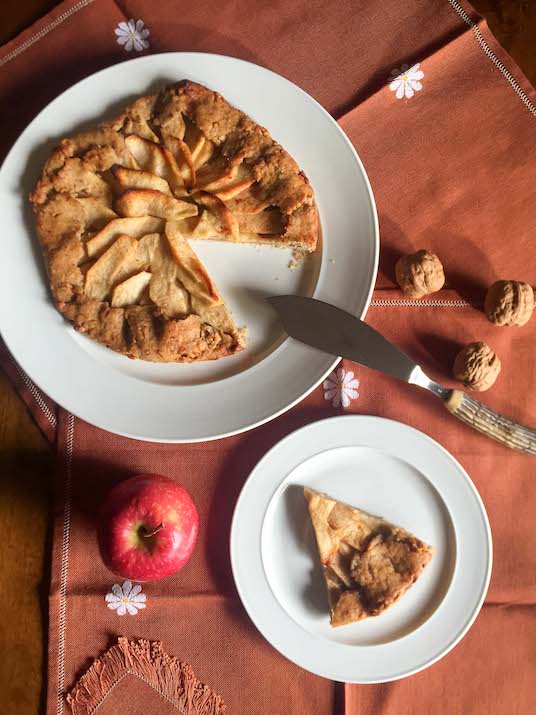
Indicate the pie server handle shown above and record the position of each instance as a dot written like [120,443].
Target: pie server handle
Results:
[494,425]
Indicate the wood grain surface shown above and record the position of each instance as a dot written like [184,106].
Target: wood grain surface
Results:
[27,461]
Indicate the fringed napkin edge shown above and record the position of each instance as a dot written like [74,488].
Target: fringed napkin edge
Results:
[172,678]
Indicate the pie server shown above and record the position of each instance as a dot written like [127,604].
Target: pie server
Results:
[334,331]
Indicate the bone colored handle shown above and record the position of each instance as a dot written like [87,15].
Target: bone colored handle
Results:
[491,423]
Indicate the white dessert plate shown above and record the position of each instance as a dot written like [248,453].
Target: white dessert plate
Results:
[188,403]
[385,468]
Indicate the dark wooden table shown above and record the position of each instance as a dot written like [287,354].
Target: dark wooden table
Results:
[27,460]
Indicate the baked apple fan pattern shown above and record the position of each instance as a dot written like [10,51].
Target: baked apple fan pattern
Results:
[115,208]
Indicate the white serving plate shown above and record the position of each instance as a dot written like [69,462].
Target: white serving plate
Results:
[188,403]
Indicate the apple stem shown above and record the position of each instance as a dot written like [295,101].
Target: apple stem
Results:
[145,532]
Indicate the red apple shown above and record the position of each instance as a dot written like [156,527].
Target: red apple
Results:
[147,528]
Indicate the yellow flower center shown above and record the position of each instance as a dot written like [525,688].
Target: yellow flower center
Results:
[405,78]
[125,600]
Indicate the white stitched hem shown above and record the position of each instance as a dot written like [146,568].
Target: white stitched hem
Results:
[496,61]
[48,28]
[400,303]
[38,397]
[60,702]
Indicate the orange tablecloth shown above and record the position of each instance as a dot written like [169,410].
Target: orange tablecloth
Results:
[451,164]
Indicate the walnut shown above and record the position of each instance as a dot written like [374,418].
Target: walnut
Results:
[509,303]
[477,366]
[419,274]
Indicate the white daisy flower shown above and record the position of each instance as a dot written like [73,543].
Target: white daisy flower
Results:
[132,35]
[405,81]
[341,387]
[125,599]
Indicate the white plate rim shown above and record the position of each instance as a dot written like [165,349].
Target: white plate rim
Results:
[70,403]
[352,422]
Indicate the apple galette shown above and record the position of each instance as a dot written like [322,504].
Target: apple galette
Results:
[116,206]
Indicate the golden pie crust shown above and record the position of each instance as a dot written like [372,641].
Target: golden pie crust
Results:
[368,563]
[116,205]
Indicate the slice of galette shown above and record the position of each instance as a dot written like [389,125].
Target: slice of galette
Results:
[368,563]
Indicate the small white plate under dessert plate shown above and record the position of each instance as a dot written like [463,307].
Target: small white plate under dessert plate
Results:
[189,403]
[385,468]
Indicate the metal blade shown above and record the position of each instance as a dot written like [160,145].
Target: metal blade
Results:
[335,331]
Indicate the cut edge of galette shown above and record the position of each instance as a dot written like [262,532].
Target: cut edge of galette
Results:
[368,563]
[116,206]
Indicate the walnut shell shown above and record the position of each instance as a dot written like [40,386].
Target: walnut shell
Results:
[477,366]
[509,303]
[419,274]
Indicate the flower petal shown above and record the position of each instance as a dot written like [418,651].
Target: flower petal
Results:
[340,376]
[116,588]
[404,68]
[131,25]
[145,33]
[139,26]
[395,72]
[115,606]
[139,605]
[328,384]
[144,43]
[337,399]
[137,43]
[414,67]
[129,45]
[112,598]
[131,609]
[400,90]
[121,610]
[416,75]
[138,598]
[352,383]
[122,40]
[417,86]
[409,91]
[135,590]
[348,376]
[123,26]
[345,399]
[351,394]
[118,31]
[330,394]
[127,588]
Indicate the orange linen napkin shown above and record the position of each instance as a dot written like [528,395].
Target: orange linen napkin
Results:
[445,124]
